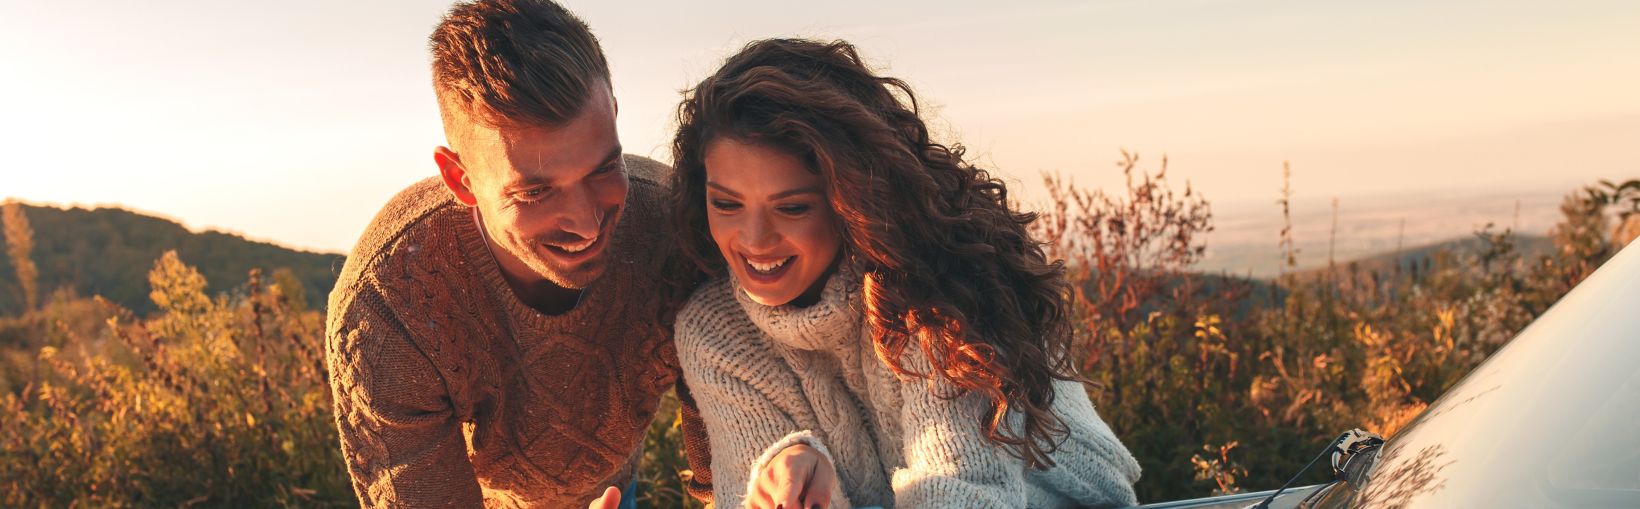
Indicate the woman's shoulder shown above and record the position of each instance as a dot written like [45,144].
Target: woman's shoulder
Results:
[712,302]
[712,321]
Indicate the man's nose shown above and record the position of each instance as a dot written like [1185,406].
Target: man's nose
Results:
[581,214]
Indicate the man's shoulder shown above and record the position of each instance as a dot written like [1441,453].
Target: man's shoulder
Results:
[647,172]
[413,236]
[650,196]
[643,242]
[393,302]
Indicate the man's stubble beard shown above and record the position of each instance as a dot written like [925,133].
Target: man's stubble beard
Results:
[580,276]
[575,278]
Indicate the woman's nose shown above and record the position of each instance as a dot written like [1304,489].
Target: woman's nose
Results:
[758,234]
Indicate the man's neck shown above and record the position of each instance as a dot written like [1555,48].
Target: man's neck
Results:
[542,295]
[534,291]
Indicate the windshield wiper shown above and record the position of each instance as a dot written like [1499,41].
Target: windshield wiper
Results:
[1346,445]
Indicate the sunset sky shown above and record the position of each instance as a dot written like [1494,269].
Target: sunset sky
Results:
[294,121]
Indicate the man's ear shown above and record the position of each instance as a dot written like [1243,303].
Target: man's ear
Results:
[455,175]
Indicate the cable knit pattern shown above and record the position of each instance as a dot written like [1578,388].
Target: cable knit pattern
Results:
[766,377]
[450,392]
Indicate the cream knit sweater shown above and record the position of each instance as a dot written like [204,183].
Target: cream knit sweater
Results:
[769,377]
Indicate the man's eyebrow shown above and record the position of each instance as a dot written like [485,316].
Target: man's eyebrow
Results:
[611,158]
[524,182]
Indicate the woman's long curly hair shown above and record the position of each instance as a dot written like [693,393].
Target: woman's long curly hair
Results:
[950,269]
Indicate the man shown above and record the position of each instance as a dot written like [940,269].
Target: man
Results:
[500,336]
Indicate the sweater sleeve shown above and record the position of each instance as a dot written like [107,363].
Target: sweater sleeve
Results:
[401,437]
[749,401]
[949,462]
[696,445]
[1092,467]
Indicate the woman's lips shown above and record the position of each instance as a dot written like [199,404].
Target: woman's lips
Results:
[766,269]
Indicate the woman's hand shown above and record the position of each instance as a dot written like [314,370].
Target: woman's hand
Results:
[799,477]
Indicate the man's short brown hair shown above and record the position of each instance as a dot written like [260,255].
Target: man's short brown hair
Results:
[514,62]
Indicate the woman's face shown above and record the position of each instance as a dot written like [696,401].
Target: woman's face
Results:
[770,220]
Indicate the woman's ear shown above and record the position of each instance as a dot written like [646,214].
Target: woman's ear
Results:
[455,175]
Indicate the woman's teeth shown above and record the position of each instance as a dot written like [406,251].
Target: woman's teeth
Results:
[765,268]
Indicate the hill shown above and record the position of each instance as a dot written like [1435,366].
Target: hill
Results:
[1265,291]
[108,252]
[1528,246]
[1246,235]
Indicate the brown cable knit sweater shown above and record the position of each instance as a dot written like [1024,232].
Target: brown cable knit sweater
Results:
[450,392]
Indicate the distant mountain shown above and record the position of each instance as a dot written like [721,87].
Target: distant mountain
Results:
[1247,236]
[1528,246]
[108,252]
[1262,291]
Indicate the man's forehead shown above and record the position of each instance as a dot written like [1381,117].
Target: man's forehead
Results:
[522,150]
[539,152]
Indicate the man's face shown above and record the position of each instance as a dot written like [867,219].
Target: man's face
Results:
[550,197]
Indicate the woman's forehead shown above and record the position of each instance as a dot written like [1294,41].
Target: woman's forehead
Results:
[754,169]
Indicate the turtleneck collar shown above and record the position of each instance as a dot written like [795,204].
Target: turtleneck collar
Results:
[830,323]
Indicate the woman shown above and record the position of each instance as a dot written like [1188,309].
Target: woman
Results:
[880,330]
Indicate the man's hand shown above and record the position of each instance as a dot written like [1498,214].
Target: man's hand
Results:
[799,477]
[610,500]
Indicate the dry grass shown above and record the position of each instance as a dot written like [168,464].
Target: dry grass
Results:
[1215,383]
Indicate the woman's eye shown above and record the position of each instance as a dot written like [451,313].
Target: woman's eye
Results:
[793,209]
[725,205]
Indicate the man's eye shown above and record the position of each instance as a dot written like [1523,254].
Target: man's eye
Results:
[531,194]
[607,169]
[725,205]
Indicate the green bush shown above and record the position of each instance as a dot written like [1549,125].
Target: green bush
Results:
[216,402]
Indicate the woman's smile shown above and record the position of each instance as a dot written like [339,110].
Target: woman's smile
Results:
[770,220]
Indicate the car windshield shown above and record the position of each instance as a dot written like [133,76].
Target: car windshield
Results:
[1548,421]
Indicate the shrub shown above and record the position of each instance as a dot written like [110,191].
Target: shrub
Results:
[1218,384]
[219,402]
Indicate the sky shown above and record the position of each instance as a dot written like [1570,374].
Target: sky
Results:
[293,122]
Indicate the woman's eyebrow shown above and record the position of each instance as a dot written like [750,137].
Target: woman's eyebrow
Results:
[721,189]
[794,192]
[775,196]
